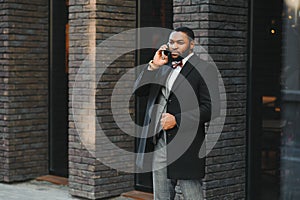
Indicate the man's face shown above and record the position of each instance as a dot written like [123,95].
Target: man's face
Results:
[180,45]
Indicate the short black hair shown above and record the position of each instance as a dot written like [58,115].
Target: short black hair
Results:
[189,32]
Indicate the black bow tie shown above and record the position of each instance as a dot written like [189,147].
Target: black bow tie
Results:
[177,64]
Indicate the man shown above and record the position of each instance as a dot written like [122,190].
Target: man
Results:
[180,90]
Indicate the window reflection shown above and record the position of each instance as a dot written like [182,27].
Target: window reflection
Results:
[290,151]
[270,147]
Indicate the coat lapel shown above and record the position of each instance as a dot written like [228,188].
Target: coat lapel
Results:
[161,79]
[165,73]
[186,69]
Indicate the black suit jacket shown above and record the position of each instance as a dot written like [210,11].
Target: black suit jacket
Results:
[190,101]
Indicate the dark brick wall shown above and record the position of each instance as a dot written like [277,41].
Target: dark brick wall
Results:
[24,89]
[114,17]
[3,92]
[91,22]
[81,162]
[221,28]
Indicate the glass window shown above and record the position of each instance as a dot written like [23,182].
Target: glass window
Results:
[290,151]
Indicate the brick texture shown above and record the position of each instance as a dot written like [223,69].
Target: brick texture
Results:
[221,29]
[24,89]
[92,22]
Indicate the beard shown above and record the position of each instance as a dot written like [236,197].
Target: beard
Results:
[182,55]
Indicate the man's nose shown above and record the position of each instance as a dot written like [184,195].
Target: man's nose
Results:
[174,46]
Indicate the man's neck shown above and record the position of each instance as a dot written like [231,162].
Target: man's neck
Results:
[187,57]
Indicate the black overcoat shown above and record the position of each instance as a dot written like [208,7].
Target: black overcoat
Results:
[190,101]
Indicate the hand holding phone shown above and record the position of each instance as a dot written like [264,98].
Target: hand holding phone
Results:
[166,52]
[161,57]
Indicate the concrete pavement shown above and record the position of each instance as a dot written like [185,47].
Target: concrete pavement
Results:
[38,190]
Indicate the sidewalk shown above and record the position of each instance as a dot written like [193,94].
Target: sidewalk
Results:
[38,190]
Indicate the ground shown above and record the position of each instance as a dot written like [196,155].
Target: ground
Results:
[38,190]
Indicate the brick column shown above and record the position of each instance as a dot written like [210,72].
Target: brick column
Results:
[91,22]
[221,28]
[24,89]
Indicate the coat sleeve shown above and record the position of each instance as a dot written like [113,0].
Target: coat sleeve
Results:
[144,81]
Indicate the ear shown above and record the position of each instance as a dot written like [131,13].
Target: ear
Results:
[192,44]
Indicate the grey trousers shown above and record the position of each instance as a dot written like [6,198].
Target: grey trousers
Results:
[164,188]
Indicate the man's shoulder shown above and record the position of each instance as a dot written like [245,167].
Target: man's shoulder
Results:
[201,64]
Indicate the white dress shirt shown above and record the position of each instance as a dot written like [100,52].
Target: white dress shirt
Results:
[174,74]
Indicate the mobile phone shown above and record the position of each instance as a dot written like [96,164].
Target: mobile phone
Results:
[167,53]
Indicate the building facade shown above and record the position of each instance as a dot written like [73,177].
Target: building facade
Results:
[52,119]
